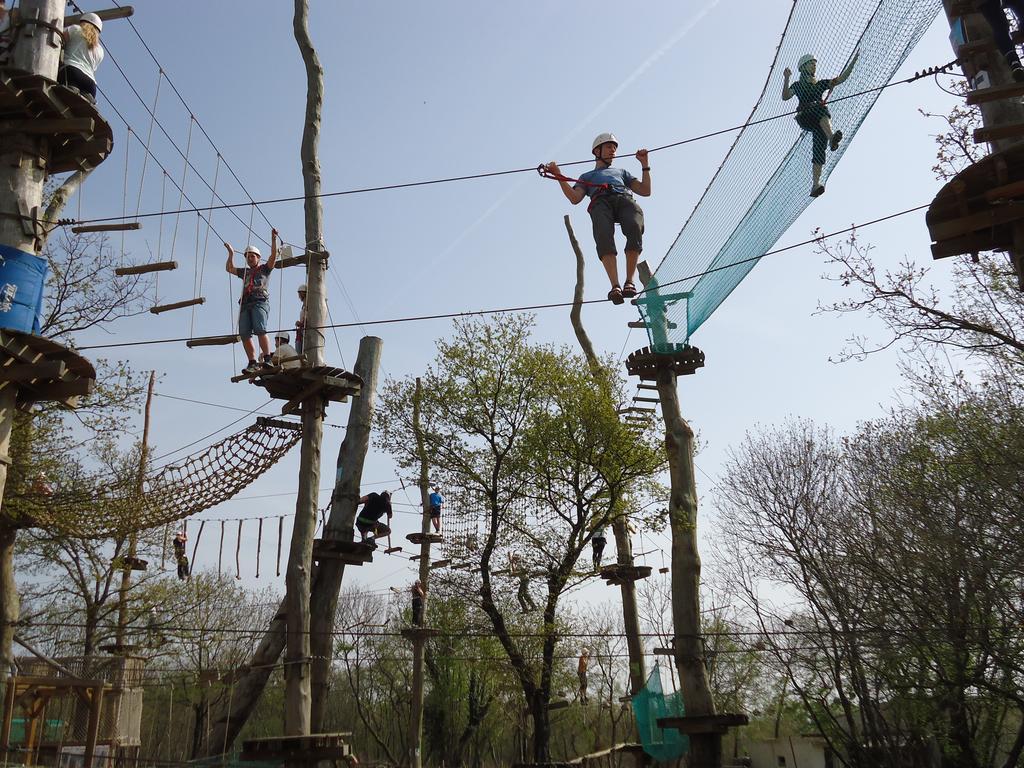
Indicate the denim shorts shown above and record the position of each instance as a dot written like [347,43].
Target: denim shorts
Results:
[253,318]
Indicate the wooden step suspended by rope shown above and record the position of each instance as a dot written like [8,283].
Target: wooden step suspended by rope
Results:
[414,558]
[348,552]
[662,651]
[639,399]
[647,386]
[418,538]
[641,324]
[80,229]
[212,341]
[635,409]
[439,564]
[392,550]
[159,308]
[132,563]
[664,569]
[141,269]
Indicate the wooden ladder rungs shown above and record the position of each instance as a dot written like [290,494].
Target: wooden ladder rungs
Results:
[646,400]
[995,93]
[128,227]
[647,386]
[139,269]
[156,310]
[211,341]
[997,132]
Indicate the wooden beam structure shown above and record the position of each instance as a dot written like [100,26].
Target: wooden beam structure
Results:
[159,308]
[141,269]
[212,341]
[129,226]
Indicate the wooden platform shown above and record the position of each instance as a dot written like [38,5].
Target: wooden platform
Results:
[977,209]
[419,538]
[316,746]
[76,134]
[995,93]
[682,359]
[703,723]
[43,370]
[623,574]
[297,384]
[348,552]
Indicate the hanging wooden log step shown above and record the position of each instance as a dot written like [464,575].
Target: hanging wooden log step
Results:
[663,570]
[641,385]
[635,409]
[124,227]
[977,210]
[642,324]
[998,132]
[131,563]
[392,550]
[682,359]
[121,12]
[995,93]
[646,400]
[211,341]
[691,724]
[418,537]
[419,633]
[140,269]
[176,305]
[348,552]
[662,651]
[439,564]
[622,574]
[414,558]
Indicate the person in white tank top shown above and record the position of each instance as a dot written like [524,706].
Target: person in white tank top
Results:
[82,54]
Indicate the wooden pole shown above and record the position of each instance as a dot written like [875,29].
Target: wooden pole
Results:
[328,575]
[995,113]
[298,688]
[22,176]
[418,640]
[705,748]
[133,537]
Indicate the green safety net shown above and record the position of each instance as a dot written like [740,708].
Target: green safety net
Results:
[662,744]
[752,201]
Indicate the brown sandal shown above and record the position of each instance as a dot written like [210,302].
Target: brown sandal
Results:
[615,295]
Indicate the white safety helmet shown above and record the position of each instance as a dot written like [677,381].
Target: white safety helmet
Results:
[603,138]
[302,288]
[283,337]
[92,18]
[252,249]
[805,59]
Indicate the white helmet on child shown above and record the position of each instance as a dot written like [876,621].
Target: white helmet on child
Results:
[302,288]
[603,138]
[283,337]
[252,249]
[92,18]
[805,59]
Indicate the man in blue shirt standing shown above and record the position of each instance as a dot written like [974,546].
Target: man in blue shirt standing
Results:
[611,202]
[436,500]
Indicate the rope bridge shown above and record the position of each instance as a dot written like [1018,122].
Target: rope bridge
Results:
[750,203]
[177,491]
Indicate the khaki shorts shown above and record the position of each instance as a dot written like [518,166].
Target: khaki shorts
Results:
[608,210]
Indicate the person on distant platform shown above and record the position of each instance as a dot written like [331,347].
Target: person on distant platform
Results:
[994,14]
[300,324]
[611,202]
[812,115]
[418,598]
[436,500]
[254,303]
[598,542]
[180,545]
[375,506]
[283,352]
[82,55]
[526,603]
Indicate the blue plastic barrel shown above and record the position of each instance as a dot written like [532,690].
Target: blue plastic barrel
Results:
[22,282]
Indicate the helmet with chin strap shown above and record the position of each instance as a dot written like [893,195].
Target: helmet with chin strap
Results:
[804,60]
[603,138]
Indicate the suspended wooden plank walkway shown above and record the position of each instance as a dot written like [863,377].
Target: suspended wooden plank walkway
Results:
[213,341]
[296,385]
[159,308]
[141,269]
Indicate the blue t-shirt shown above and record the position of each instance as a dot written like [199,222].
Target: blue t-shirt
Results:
[436,499]
[619,180]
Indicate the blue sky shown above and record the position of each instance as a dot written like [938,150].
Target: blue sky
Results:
[417,91]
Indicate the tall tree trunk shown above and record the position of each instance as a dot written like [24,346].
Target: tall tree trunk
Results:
[298,689]
[328,574]
[705,749]
[229,717]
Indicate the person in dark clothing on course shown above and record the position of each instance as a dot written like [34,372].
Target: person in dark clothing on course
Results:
[994,14]
[418,596]
[597,542]
[375,506]
[436,500]
[611,202]
[254,303]
[812,115]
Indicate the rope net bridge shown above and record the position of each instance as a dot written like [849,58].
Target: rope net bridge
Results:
[750,203]
[177,491]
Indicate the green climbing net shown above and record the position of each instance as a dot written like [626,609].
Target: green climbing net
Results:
[750,203]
